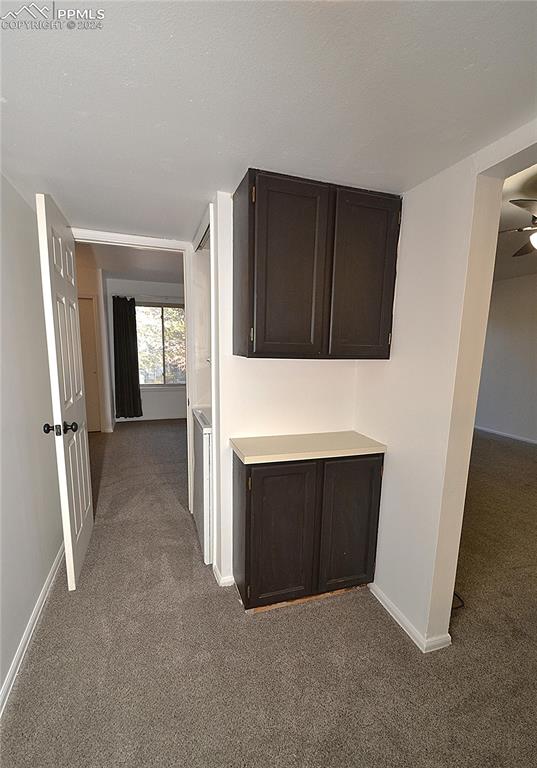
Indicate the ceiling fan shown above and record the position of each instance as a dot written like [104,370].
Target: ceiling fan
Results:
[530,206]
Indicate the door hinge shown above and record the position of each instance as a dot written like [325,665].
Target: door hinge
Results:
[253,194]
[249,483]
[248,591]
[399,216]
[251,334]
[390,338]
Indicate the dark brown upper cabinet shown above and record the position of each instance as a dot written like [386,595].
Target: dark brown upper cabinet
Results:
[313,268]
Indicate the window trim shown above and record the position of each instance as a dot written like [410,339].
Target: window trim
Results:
[162,305]
[163,386]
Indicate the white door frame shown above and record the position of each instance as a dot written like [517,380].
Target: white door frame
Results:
[478,289]
[98,237]
[215,384]
[208,223]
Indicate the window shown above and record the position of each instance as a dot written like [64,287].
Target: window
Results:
[160,330]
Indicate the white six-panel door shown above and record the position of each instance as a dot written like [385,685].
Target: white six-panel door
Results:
[62,323]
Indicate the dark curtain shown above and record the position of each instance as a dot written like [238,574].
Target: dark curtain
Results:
[128,400]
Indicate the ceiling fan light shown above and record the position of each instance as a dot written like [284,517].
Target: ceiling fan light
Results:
[533,240]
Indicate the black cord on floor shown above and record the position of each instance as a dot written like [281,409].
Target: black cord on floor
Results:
[461,602]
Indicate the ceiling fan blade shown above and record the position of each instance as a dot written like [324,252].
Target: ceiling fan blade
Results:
[526,248]
[527,204]
[518,229]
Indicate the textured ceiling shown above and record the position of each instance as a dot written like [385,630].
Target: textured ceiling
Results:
[134,127]
[134,263]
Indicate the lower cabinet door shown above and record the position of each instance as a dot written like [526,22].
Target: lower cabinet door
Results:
[349,520]
[282,531]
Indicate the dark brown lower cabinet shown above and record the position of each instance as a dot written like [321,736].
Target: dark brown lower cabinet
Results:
[351,497]
[281,545]
[304,527]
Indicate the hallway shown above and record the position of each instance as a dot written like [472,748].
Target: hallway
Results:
[151,664]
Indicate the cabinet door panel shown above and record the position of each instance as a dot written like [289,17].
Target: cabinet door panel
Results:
[282,528]
[291,227]
[365,252]
[349,521]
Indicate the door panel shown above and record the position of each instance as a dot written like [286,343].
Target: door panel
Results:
[290,261]
[62,325]
[349,519]
[76,346]
[365,251]
[282,529]
[61,320]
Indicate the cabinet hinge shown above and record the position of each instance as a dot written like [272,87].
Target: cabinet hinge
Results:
[249,483]
[253,194]
[248,591]
[251,334]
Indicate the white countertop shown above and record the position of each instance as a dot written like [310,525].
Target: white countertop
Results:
[315,445]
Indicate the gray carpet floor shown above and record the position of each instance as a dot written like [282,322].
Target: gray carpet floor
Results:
[151,664]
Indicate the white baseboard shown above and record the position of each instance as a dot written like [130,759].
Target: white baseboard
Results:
[223,581]
[425,644]
[108,429]
[506,434]
[437,642]
[28,632]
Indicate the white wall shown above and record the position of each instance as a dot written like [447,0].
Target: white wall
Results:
[405,402]
[164,402]
[264,397]
[507,401]
[200,327]
[31,534]
[421,403]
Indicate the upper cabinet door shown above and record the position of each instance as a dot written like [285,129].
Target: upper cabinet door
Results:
[291,228]
[363,279]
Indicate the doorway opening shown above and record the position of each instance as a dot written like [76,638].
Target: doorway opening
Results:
[172,285]
[495,583]
[151,282]
[116,317]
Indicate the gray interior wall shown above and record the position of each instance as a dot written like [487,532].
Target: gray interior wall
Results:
[507,401]
[30,520]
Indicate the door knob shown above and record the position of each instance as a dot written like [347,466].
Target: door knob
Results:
[52,428]
[66,427]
